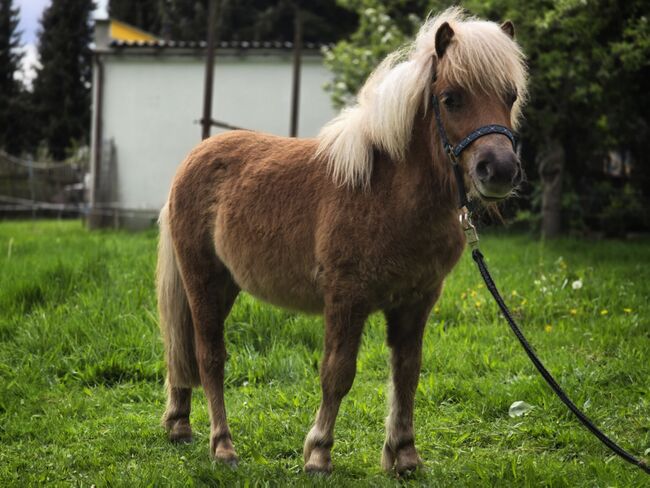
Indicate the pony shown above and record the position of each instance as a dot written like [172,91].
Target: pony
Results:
[362,218]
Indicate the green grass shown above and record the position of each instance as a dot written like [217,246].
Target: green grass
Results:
[81,372]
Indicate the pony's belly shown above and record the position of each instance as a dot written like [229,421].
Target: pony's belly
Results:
[273,274]
[283,291]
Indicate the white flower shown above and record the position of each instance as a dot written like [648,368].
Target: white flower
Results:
[576,285]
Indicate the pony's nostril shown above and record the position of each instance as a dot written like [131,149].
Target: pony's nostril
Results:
[483,170]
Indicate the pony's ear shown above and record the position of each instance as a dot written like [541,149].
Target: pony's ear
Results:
[443,38]
[509,28]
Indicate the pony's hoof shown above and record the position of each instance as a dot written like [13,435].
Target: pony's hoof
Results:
[405,461]
[226,456]
[180,432]
[224,452]
[231,460]
[319,463]
[407,469]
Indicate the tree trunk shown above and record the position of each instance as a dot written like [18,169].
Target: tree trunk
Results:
[551,170]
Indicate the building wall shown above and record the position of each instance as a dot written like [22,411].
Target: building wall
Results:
[152,105]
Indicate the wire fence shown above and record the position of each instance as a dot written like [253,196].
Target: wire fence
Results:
[43,188]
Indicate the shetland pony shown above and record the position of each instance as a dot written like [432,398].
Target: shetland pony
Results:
[360,219]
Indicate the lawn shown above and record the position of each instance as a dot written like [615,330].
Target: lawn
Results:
[81,372]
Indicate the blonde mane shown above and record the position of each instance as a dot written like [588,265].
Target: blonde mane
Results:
[480,58]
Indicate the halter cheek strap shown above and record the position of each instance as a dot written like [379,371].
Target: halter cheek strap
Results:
[453,152]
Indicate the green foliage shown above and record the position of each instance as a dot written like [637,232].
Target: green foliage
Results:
[621,209]
[62,85]
[81,372]
[352,60]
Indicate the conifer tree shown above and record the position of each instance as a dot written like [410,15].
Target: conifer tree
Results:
[10,57]
[62,84]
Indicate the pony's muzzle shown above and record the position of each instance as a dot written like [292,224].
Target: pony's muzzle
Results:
[496,172]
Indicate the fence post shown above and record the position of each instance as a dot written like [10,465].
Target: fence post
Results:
[32,190]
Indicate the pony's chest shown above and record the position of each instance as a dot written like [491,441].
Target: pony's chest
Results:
[417,264]
[434,258]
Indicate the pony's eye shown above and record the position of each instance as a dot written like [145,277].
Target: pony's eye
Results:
[453,100]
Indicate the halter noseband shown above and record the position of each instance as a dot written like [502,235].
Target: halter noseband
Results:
[453,152]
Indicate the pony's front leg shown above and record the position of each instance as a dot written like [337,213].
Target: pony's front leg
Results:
[343,328]
[405,330]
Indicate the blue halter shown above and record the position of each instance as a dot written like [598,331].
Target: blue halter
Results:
[454,151]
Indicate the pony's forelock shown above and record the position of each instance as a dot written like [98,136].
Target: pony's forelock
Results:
[480,58]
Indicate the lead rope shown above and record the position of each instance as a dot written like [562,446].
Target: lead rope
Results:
[453,153]
[557,389]
[472,240]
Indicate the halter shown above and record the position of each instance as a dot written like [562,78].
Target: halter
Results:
[453,152]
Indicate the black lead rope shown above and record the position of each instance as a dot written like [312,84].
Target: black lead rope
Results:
[453,152]
[557,389]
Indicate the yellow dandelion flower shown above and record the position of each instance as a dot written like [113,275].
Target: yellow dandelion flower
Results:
[524,301]
[478,304]
[473,293]
[627,310]
[548,328]
[604,311]
[436,309]
[513,293]
[573,311]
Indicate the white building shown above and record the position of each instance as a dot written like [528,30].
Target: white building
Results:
[147,103]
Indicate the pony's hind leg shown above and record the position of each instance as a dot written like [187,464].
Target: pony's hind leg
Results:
[177,413]
[405,331]
[343,328]
[211,293]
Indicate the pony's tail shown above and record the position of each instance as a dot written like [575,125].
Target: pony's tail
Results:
[174,312]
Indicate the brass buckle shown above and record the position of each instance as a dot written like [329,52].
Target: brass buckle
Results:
[470,231]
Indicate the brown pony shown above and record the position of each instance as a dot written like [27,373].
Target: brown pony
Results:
[363,218]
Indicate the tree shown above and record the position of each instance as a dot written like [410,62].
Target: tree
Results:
[62,85]
[383,27]
[10,88]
